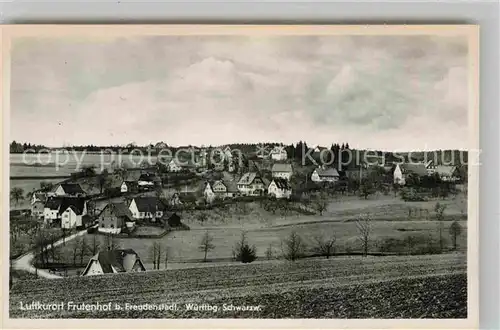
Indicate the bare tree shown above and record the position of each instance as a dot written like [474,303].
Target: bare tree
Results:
[455,231]
[167,255]
[76,245]
[202,217]
[269,252]
[325,246]
[439,210]
[83,249]
[154,255]
[206,244]
[293,246]
[363,224]
[158,256]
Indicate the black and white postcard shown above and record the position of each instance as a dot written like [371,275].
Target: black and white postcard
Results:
[240,176]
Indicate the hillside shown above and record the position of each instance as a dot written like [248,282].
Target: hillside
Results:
[342,287]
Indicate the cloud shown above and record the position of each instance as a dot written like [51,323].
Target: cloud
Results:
[369,91]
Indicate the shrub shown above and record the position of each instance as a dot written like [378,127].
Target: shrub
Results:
[243,251]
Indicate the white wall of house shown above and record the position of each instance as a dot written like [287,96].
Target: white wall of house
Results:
[315,176]
[278,155]
[60,191]
[144,215]
[173,167]
[398,175]
[277,192]
[124,188]
[69,219]
[94,268]
[50,215]
[283,175]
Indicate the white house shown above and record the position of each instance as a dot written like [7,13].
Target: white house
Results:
[208,193]
[251,184]
[71,217]
[70,210]
[224,188]
[129,186]
[322,174]
[283,171]
[278,153]
[279,188]
[173,166]
[146,207]
[146,181]
[403,170]
[398,175]
[114,261]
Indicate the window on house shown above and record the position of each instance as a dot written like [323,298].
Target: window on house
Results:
[112,226]
[142,214]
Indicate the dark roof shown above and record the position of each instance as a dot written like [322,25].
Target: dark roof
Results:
[249,178]
[72,188]
[53,203]
[327,171]
[77,204]
[113,258]
[119,210]
[148,204]
[278,167]
[282,183]
[418,169]
[148,177]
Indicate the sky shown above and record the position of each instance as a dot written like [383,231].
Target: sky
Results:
[376,92]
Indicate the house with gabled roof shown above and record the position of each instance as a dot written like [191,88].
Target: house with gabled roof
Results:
[69,189]
[403,170]
[70,210]
[38,200]
[224,188]
[148,181]
[174,166]
[325,174]
[129,186]
[146,207]
[114,218]
[279,188]
[252,184]
[278,153]
[114,261]
[280,170]
[447,173]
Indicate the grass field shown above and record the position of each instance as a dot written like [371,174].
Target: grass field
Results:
[353,287]
[266,230]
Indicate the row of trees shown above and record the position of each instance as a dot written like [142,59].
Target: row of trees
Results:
[294,247]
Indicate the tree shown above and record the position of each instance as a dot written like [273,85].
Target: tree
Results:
[206,245]
[88,171]
[455,231]
[74,250]
[103,178]
[111,243]
[269,252]
[363,224]
[293,246]
[243,251]
[366,188]
[439,210]
[46,186]
[325,246]
[202,217]
[16,195]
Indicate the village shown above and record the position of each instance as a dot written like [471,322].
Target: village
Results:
[150,201]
